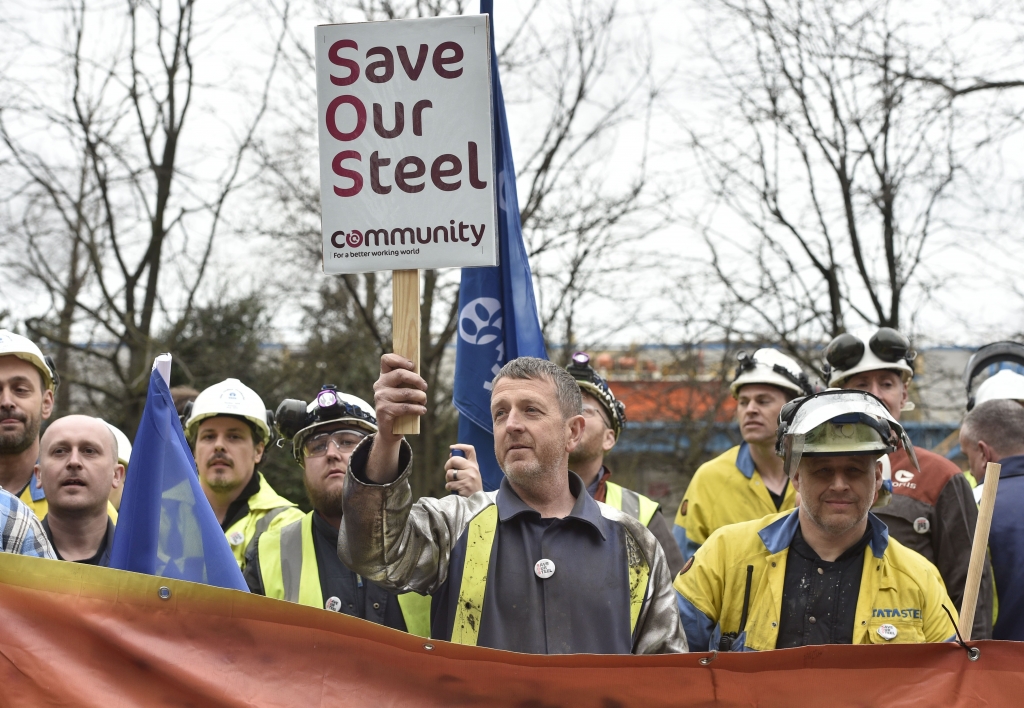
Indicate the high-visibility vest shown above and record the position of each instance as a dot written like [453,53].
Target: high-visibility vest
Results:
[290,572]
[267,510]
[480,540]
[629,502]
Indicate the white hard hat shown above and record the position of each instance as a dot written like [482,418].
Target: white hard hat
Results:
[868,349]
[12,344]
[1004,384]
[839,422]
[124,447]
[229,397]
[773,368]
[297,420]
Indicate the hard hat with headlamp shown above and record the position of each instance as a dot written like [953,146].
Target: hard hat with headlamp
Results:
[592,383]
[15,345]
[771,368]
[1004,383]
[298,421]
[868,349]
[233,398]
[840,423]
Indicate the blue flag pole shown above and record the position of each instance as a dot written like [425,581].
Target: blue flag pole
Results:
[498,318]
[166,526]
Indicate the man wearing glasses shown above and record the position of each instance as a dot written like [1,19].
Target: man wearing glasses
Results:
[299,562]
[931,511]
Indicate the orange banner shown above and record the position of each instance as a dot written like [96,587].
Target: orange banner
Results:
[73,635]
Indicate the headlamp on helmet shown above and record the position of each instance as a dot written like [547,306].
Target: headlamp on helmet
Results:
[591,382]
[297,420]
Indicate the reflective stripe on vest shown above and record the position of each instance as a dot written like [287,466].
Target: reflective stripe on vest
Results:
[282,567]
[630,503]
[480,540]
[261,527]
[286,553]
[416,613]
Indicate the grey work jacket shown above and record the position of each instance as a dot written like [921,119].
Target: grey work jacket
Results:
[405,546]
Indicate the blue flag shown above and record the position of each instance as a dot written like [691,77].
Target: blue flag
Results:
[166,526]
[497,311]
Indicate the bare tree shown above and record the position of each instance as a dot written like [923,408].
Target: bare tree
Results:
[838,167]
[131,214]
[587,68]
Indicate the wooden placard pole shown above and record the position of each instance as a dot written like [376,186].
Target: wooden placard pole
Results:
[405,333]
[979,551]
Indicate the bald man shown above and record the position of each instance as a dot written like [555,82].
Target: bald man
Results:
[78,468]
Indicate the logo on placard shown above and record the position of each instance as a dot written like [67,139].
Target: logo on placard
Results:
[480,321]
[353,239]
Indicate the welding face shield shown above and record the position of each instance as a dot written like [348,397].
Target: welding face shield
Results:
[840,423]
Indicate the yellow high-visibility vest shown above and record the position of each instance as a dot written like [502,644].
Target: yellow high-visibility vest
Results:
[290,572]
[480,541]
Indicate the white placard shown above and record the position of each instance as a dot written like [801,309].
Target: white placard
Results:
[406,145]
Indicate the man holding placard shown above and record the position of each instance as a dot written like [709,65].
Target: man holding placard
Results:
[526,568]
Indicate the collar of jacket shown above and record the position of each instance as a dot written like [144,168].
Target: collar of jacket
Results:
[35,488]
[1012,466]
[779,534]
[266,498]
[744,462]
[585,509]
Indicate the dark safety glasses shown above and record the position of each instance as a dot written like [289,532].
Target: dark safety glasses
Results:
[845,351]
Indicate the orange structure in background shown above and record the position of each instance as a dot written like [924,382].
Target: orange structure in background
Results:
[667,401]
[78,635]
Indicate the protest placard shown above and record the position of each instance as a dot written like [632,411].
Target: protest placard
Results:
[406,155]
[406,163]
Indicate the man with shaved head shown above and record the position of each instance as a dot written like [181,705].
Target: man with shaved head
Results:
[78,468]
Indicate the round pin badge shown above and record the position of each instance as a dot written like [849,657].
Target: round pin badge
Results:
[887,632]
[544,568]
[922,525]
[236,538]
[333,604]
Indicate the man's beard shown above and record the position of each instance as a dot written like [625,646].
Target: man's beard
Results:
[326,501]
[527,475]
[586,454]
[16,443]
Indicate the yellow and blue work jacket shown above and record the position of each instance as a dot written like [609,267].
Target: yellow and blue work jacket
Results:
[289,571]
[725,490]
[900,600]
